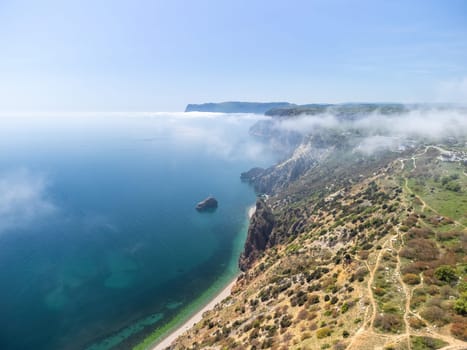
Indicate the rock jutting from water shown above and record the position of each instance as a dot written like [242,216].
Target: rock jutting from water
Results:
[209,204]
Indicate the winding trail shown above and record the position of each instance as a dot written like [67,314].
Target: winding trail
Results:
[404,286]
[366,337]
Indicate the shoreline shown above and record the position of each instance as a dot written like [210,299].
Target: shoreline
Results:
[198,316]
[251,211]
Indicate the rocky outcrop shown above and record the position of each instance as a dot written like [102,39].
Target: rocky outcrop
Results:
[260,229]
[252,175]
[278,177]
[208,204]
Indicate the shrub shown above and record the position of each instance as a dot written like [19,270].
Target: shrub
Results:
[340,346]
[302,315]
[344,308]
[446,236]
[446,273]
[418,300]
[426,343]
[453,186]
[313,299]
[411,278]
[254,334]
[416,267]
[313,326]
[388,322]
[299,299]
[416,232]
[390,307]
[286,321]
[435,314]
[416,323]
[420,249]
[460,306]
[363,254]
[459,328]
[267,343]
[379,291]
[323,332]
[361,273]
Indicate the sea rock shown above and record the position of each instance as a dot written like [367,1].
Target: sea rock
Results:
[208,204]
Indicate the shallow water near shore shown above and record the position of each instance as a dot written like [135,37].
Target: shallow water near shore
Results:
[99,239]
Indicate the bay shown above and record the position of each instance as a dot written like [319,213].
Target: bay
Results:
[99,239]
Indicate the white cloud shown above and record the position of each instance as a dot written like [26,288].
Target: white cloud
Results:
[387,131]
[307,124]
[23,199]
[377,143]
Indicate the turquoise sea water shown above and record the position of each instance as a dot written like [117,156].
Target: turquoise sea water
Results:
[99,239]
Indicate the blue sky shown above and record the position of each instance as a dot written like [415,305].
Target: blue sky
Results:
[141,55]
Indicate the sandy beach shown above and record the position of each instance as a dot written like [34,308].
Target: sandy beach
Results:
[195,318]
[251,211]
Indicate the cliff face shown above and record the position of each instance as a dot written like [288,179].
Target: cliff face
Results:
[278,177]
[259,232]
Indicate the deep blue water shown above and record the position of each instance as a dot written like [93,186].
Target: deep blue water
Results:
[99,239]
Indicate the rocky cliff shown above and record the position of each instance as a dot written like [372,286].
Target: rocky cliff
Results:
[259,231]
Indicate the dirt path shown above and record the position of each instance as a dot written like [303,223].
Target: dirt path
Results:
[366,336]
[404,286]
[366,331]
[371,280]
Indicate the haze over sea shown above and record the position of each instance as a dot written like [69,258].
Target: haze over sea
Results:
[99,239]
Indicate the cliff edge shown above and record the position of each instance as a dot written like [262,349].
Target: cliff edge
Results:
[259,231]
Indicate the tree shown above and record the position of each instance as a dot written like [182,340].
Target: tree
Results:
[446,273]
[460,306]
[411,278]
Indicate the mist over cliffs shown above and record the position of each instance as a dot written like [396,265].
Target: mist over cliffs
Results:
[237,107]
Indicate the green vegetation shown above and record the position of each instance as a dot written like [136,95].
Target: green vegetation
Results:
[388,323]
[446,273]
[426,343]
[323,332]
[460,306]
[445,194]
[411,278]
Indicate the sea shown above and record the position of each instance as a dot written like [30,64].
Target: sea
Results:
[100,243]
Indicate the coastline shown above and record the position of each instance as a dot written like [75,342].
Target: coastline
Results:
[167,341]
[196,317]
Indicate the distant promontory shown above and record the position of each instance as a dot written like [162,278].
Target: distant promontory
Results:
[237,107]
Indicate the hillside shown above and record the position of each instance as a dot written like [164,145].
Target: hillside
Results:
[352,248]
